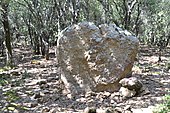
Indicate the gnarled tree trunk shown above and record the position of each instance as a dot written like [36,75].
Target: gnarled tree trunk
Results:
[7,35]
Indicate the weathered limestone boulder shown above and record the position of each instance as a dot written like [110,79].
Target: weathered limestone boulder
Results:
[95,58]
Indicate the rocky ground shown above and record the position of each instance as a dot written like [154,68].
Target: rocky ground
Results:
[34,86]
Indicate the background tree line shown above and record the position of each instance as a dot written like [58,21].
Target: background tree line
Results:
[38,22]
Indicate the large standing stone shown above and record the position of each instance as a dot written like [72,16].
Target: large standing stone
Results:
[95,58]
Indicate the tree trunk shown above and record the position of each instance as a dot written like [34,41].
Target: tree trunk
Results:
[44,39]
[2,43]
[137,23]
[7,36]
[36,44]
[128,8]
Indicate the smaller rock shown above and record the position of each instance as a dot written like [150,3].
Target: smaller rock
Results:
[33,104]
[132,83]
[44,86]
[90,94]
[15,73]
[31,83]
[100,111]
[46,91]
[112,101]
[90,110]
[81,99]
[107,94]
[115,94]
[38,95]
[52,79]
[127,109]
[45,110]
[69,96]
[150,109]
[144,91]
[54,110]
[118,110]
[125,92]
[111,110]
[42,100]
[41,81]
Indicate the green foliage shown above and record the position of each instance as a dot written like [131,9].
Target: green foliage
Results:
[13,106]
[11,95]
[165,106]
[167,64]
[4,79]
[156,20]
[5,68]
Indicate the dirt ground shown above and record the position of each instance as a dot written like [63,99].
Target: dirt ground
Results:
[34,85]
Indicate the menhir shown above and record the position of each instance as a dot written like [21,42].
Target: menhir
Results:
[95,58]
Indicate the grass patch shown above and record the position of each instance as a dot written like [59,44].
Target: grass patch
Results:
[13,106]
[4,79]
[164,107]
[11,95]
[5,68]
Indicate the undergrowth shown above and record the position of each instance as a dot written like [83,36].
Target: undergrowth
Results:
[164,107]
